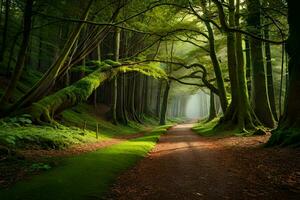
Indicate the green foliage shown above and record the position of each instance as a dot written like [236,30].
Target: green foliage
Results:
[84,176]
[20,120]
[40,167]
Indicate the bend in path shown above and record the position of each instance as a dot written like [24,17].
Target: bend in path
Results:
[184,165]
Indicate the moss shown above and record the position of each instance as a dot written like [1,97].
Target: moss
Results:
[151,69]
[45,137]
[285,137]
[205,128]
[162,129]
[46,108]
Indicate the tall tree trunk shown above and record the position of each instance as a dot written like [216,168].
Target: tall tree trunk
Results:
[214,59]
[248,63]
[269,69]
[49,78]
[212,108]
[22,54]
[5,29]
[115,79]
[239,114]
[259,93]
[146,95]
[288,130]
[164,105]
[158,98]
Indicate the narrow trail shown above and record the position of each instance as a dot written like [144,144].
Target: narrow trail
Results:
[184,165]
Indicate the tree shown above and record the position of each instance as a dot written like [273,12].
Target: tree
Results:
[259,95]
[239,113]
[287,132]
[22,53]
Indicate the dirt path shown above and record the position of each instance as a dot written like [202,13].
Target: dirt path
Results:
[184,165]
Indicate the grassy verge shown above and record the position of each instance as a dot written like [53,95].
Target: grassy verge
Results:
[19,132]
[87,176]
[205,128]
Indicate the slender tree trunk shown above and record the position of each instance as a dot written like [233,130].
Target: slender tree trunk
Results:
[5,29]
[164,105]
[269,69]
[146,95]
[115,79]
[212,108]
[158,98]
[248,64]
[22,54]
[215,62]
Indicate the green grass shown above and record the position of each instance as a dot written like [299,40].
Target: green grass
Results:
[84,113]
[18,132]
[205,128]
[161,129]
[87,176]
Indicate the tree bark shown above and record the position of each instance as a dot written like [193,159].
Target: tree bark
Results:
[259,94]
[115,79]
[45,109]
[49,78]
[164,105]
[269,69]
[212,108]
[6,98]
[215,62]
[158,98]
[239,114]
[5,29]
[288,130]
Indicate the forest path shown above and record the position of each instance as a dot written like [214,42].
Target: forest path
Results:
[184,165]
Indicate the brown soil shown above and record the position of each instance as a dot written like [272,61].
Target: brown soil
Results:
[186,166]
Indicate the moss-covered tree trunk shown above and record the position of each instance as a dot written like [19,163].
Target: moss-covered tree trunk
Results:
[259,95]
[45,109]
[49,78]
[288,131]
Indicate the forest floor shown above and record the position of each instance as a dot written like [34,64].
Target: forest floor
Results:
[85,176]
[184,165]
